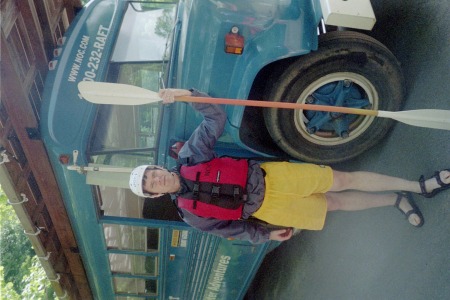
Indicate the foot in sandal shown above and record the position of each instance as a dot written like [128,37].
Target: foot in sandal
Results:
[407,207]
[437,183]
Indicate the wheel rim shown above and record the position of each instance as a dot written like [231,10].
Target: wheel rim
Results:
[337,89]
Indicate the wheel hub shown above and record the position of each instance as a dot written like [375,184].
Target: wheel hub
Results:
[344,93]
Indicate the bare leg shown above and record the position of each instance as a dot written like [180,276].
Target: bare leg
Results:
[374,182]
[352,201]
[338,198]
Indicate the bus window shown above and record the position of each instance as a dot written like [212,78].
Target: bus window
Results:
[137,286]
[125,135]
[131,238]
[161,208]
[133,257]
[144,32]
[133,264]
[120,202]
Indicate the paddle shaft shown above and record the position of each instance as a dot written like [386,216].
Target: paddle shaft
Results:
[123,94]
[288,105]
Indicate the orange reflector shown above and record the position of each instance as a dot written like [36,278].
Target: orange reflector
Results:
[52,64]
[234,50]
[57,52]
[64,159]
[234,42]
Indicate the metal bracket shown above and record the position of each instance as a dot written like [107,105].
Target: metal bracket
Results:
[58,277]
[24,199]
[39,230]
[63,296]
[45,257]
[5,157]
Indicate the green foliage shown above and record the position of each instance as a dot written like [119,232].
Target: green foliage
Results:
[164,24]
[35,282]
[21,274]
[14,245]
[6,289]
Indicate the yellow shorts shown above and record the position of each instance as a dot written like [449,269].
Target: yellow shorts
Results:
[295,195]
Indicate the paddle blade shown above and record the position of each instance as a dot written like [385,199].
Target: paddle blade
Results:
[429,118]
[116,93]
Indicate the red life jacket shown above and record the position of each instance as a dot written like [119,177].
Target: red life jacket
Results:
[215,189]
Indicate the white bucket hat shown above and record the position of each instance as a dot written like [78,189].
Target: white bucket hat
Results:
[136,177]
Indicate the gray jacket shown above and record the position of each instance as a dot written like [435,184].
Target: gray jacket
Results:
[199,148]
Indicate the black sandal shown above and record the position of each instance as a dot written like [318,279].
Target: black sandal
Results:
[443,186]
[414,209]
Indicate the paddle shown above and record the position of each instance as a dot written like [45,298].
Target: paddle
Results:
[123,94]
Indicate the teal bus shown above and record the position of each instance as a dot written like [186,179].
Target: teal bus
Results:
[137,248]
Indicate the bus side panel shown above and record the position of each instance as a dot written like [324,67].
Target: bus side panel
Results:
[204,266]
[233,269]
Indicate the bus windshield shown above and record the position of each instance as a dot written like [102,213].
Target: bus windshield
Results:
[127,136]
